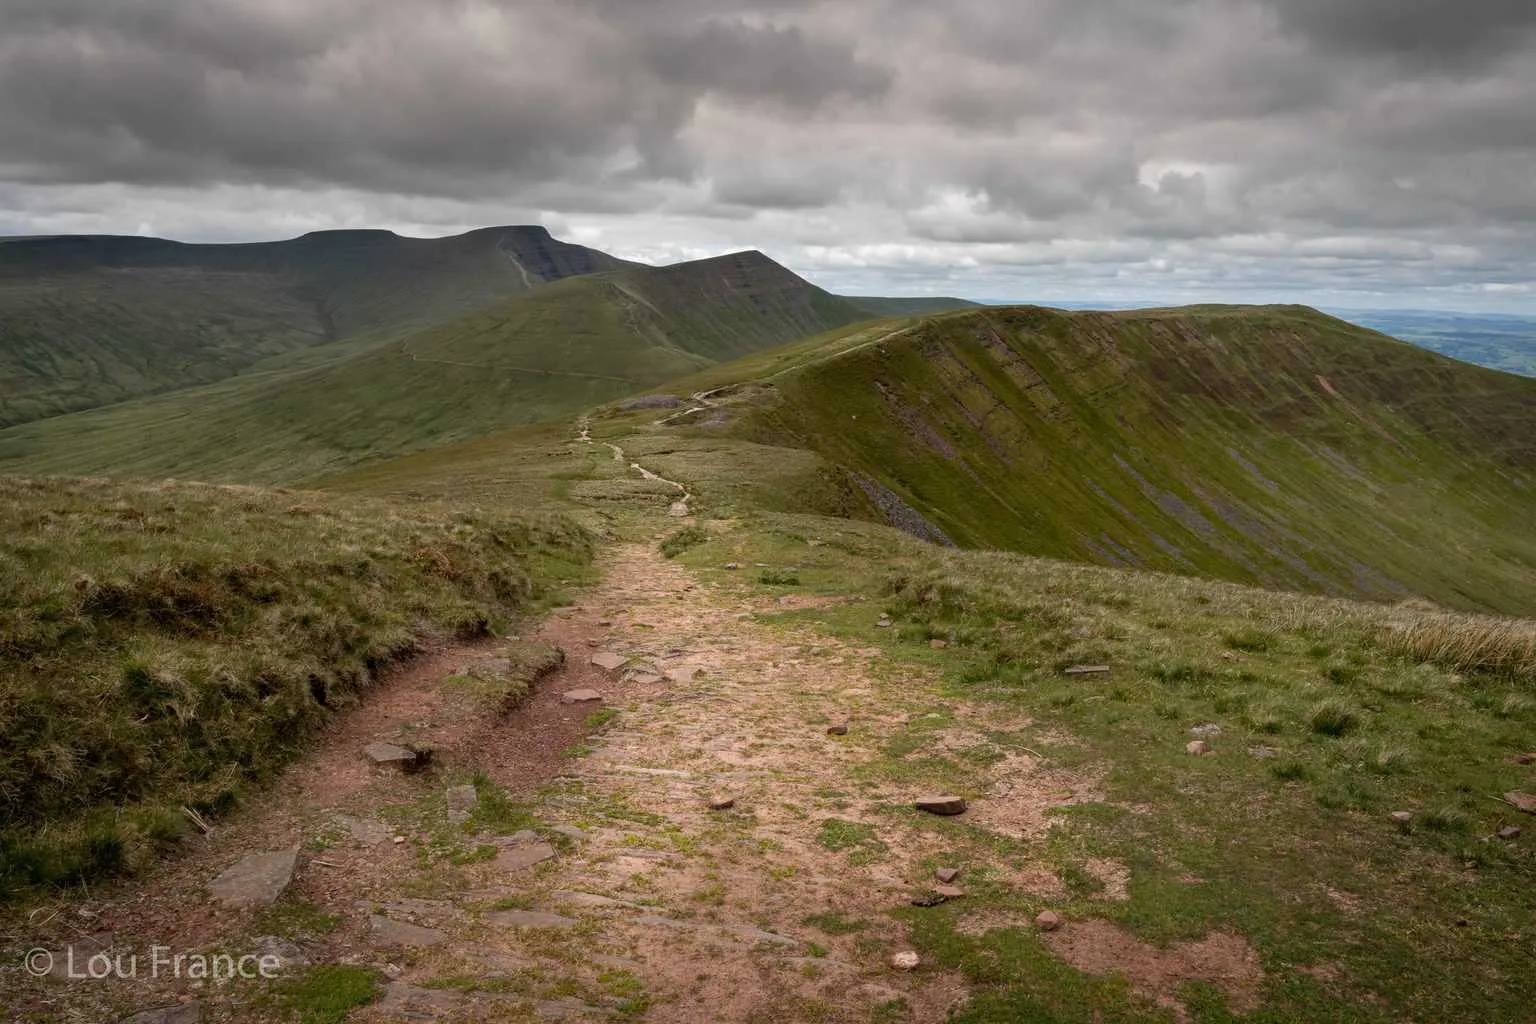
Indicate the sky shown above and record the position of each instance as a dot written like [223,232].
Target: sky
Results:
[1343,153]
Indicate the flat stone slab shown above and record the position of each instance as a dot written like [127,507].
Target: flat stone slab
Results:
[389,932]
[945,805]
[389,755]
[257,880]
[591,900]
[609,660]
[365,830]
[1086,670]
[520,858]
[461,804]
[682,673]
[580,697]
[181,1013]
[529,919]
[1522,801]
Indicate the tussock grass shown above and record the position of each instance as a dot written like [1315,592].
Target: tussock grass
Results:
[164,645]
[681,540]
[1468,643]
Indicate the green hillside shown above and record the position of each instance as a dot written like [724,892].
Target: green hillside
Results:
[541,355]
[87,321]
[909,306]
[1274,446]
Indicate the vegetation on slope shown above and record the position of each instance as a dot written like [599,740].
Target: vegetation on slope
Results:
[546,354]
[1323,717]
[1273,446]
[162,646]
[87,321]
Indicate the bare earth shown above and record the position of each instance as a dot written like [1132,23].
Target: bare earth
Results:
[634,900]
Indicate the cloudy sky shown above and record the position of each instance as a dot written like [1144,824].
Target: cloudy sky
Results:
[1338,152]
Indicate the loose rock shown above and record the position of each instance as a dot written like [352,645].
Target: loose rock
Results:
[609,660]
[938,645]
[721,802]
[1048,920]
[461,804]
[942,805]
[580,697]
[840,729]
[390,755]
[257,880]
[906,960]
[1197,747]
[949,892]
[1401,817]
[946,874]
[1510,832]
[1206,731]
[389,932]
[1522,801]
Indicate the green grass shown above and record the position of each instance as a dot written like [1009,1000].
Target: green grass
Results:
[1272,446]
[679,541]
[1293,850]
[164,646]
[532,357]
[324,995]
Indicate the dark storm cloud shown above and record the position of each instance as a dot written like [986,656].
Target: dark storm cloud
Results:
[1441,33]
[1212,143]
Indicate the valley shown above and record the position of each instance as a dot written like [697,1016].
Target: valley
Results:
[552,637]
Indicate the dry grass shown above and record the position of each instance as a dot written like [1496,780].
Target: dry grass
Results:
[1467,643]
[164,645]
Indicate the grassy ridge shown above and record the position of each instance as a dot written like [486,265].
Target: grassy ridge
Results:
[87,321]
[551,352]
[164,646]
[1272,446]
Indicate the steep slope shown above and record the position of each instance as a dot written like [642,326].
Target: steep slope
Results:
[1270,445]
[547,353]
[90,320]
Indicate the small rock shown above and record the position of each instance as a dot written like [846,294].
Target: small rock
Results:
[287,953]
[840,729]
[256,880]
[364,830]
[1522,801]
[682,673]
[520,858]
[1206,731]
[906,960]
[390,755]
[1048,920]
[884,622]
[946,874]
[721,802]
[609,660]
[182,1013]
[942,805]
[1086,670]
[733,566]
[389,932]
[580,697]
[461,804]
[529,919]
[1510,832]
[949,892]
[1197,747]
[647,678]
[927,899]
[1401,817]
[937,644]
[1263,753]
[398,840]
